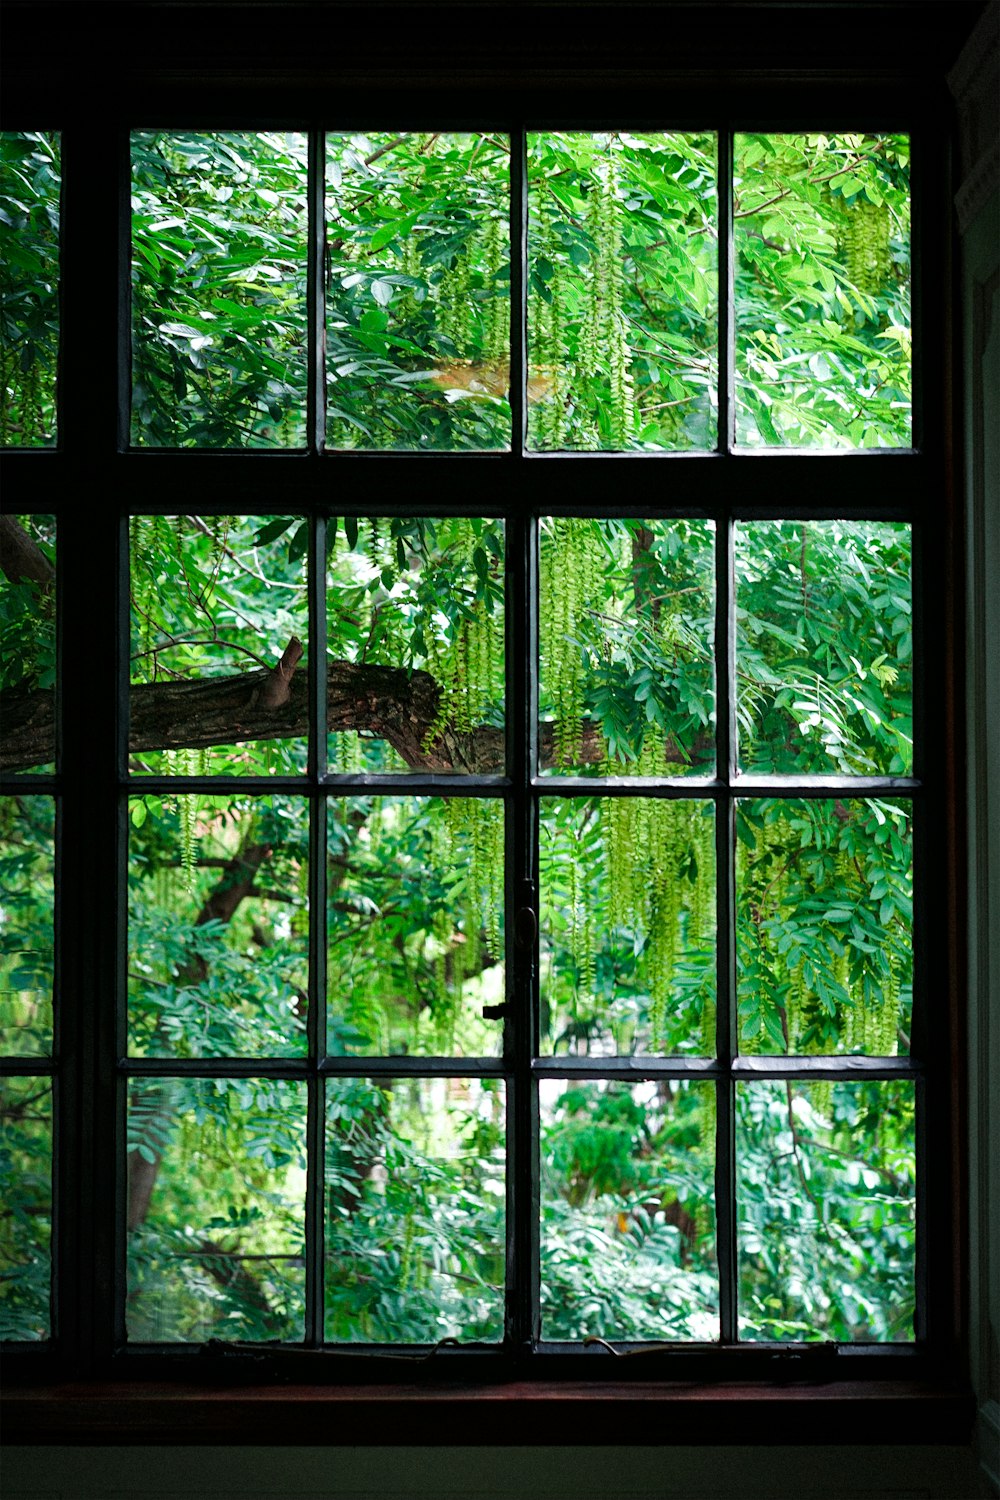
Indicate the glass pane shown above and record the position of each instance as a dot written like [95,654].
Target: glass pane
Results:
[824,647]
[216,1207]
[218,926]
[415,925]
[628,1211]
[26,1220]
[29,287]
[824,925]
[219,289]
[418,291]
[415,611]
[627,680]
[219,621]
[627,926]
[623,290]
[826,1210]
[415,1238]
[821,242]
[27,879]
[28,642]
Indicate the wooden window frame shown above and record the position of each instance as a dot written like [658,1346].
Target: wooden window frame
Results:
[92,480]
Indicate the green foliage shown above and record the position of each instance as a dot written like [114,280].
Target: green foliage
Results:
[229,1262]
[826,1210]
[626,645]
[628,1238]
[623,302]
[415,1210]
[212,597]
[28,614]
[418,291]
[415,925]
[824,925]
[26,1213]
[218,926]
[824,647]
[822,290]
[27,869]
[29,290]
[218,289]
[628,926]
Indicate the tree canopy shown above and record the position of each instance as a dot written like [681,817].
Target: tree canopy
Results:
[622,331]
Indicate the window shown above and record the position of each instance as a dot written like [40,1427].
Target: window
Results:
[497,920]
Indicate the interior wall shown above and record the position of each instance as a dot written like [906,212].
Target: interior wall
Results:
[654,1473]
[975,82]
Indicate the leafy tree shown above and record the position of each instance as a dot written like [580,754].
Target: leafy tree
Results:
[621,242]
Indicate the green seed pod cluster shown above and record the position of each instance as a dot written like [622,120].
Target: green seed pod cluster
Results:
[865,245]
[25,420]
[496,313]
[454,305]
[548,326]
[650,845]
[572,561]
[603,351]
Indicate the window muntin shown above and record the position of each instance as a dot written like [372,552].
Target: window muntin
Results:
[723,567]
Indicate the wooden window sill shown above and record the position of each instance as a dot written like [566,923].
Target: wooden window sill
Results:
[514,1413]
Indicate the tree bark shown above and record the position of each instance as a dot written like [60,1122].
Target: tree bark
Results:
[387,703]
[21,558]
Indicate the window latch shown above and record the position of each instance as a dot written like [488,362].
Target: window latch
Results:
[525,927]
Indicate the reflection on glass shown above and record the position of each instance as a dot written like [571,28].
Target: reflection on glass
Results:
[627,926]
[821,240]
[415,611]
[623,290]
[28,642]
[218,289]
[216,1207]
[826,1210]
[27,876]
[26,1220]
[628,1211]
[824,647]
[219,619]
[824,925]
[415,925]
[218,926]
[625,647]
[30,185]
[418,291]
[415,1238]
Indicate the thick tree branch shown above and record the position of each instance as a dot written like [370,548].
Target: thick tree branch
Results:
[21,558]
[387,703]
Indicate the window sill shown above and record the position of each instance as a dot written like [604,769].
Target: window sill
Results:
[517,1412]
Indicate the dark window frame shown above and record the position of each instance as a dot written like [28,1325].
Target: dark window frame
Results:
[92,480]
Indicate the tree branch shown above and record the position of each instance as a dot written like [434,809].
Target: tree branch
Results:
[386,703]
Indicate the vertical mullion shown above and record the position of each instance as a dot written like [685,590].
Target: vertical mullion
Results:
[316,294]
[522,1192]
[316,1015]
[518,283]
[725,850]
[727,381]
[520,895]
[94,264]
